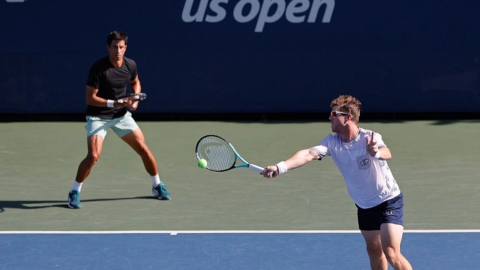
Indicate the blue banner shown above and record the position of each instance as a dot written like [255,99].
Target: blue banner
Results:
[246,56]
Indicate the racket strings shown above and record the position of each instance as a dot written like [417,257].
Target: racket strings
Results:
[217,152]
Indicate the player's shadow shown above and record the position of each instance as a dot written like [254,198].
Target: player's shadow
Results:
[29,205]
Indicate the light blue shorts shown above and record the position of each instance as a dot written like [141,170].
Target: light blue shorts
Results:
[121,125]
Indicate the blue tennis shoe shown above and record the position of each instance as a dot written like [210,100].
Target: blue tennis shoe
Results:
[74,199]
[161,192]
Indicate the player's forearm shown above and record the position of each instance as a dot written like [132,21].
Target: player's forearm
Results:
[299,159]
[93,100]
[101,102]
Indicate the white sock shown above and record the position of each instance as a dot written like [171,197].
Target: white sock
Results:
[77,186]
[156,180]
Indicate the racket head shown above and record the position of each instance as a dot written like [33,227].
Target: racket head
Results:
[217,152]
[135,96]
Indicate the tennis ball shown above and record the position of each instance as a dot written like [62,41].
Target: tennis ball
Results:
[202,163]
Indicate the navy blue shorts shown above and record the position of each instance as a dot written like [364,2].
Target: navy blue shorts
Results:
[390,211]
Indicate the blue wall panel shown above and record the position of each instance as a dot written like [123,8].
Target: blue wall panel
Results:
[395,56]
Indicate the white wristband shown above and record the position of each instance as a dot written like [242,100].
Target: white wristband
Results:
[282,167]
[378,154]
[110,103]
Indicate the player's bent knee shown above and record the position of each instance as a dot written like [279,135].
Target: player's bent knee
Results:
[143,150]
[92,158]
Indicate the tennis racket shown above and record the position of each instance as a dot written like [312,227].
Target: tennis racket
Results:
[134,97]
[220,155]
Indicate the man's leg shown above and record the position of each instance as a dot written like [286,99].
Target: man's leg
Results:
[95,144]
[136,140]
[378,261]
[391,237]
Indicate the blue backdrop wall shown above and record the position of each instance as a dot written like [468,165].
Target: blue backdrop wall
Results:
[238,56]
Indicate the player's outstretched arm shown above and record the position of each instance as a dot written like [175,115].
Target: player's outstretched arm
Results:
[299,159]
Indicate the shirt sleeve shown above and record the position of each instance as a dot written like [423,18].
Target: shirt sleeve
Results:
[379,139]
[132,66]
[93,79]
[134,74]
[322,148]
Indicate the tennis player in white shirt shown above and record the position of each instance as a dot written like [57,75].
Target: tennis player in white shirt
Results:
[361,156]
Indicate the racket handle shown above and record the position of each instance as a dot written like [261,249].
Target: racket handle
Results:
[255,168]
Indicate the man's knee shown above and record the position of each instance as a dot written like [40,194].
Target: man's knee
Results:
[143,150]
[375,251]
[92,158]
[393,255]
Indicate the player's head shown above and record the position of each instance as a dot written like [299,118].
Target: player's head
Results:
[117,45]
[116,35]
[347,104]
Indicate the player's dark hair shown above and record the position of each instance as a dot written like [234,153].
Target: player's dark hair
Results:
[117,35]
[348,104]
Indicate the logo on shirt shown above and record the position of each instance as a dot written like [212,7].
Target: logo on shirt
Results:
[364,162]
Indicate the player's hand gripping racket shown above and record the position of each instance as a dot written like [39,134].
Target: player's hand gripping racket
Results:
[220,155]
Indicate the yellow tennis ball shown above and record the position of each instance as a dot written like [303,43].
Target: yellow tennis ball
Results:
[202,163]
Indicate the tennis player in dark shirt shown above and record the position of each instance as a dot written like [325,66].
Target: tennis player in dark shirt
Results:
[107,82]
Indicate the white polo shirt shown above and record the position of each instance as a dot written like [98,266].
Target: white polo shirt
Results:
[369,180]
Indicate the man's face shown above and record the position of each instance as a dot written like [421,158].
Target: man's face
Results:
[338,122]
[117,49]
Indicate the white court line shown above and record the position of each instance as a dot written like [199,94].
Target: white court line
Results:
[225,232]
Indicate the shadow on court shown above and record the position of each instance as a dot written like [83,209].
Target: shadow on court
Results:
[39,204]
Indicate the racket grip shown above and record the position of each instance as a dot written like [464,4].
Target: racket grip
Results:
[255,168]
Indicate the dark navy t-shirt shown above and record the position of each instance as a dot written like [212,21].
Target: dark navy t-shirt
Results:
[111,83]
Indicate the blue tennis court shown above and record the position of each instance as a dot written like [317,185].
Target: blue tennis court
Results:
[228,250]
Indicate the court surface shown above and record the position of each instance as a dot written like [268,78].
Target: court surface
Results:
[228,250]
[233,220]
